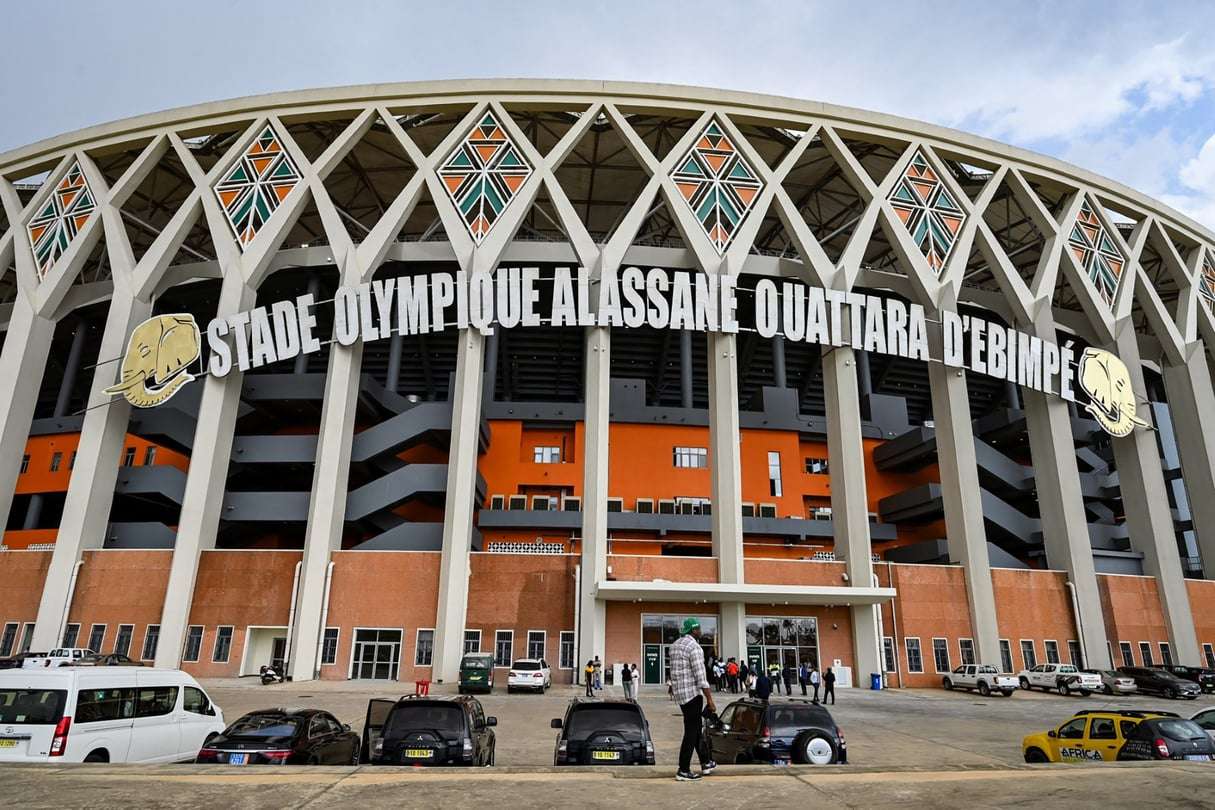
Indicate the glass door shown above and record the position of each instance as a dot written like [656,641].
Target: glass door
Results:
[377,654]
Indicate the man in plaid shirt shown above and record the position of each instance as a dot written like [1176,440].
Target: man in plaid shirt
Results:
[690,688]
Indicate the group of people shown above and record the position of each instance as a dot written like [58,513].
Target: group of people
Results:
[630,678]
[737,676]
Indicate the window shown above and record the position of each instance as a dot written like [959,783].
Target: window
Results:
[888,654]
[1028,656]
[940,654]
[518,502]
[8,638]
[966,647]
[547,455]
[25,463]
[1102,729]
[1075,656]
[748,510]
[149,456]
[223,645]
[1006,662]
[97,705]
[767,510]
[565,658]
[1208,650]
[472,641]
[71,634]
[1128,657]
[151,638]
[666,507]
[128,457]
[915,663]
[56,460]
[644,506]
[497,502]
[1145,652]
[615,504]
[571,503]
[693,506]
[1166,655]
[96,637]
[1052,651]
[193,643]
[195,702]
[774,488]
[122,642]
[329,646]
[27,637]
[697,457]
[72,461]
[544,503]
[425,649]
[504,648]
[155,701]
[817,466]
[535,643]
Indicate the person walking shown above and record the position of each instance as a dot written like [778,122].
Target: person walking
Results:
[763,685]
[774,676]
[814,680]
[690,689]
[626,681]
[744,677]
[598,673]
[589,677]
[829,686]
[732,675]
[788,676]
[803,676]
[636,681]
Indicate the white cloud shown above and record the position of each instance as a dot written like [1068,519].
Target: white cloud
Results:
[1197,176]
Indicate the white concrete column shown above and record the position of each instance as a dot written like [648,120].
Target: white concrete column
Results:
[725,444]
[461,506]
[849,501]
[27,345]
[965,532]
[206,482]
[591,611]
[86,509]
[326,505]
[1145,501]
[1192,405]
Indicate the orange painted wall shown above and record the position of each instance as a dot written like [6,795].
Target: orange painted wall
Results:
[1132,610]
[21,576]
[1033,605]
[120,586]
[39,478]
[19,539]
[931,603]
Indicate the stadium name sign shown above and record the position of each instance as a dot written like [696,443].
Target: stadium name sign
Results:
[511,297]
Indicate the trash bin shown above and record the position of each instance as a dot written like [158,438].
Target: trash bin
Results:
[875,680]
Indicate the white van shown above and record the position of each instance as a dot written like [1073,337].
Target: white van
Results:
[103,714]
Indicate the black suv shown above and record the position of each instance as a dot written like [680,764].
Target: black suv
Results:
[757,731]
[603,732]
[1158,682]
[428,731]
[1205,678]
[1168,738]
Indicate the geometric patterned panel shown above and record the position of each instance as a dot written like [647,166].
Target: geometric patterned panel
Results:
[56,225]
[1206,281]
[1100,258]
[256,184]
[718,184]
[928,211]
[483,175]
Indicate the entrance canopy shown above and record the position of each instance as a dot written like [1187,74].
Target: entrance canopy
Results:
[623,591]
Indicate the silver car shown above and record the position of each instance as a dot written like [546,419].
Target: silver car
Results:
[1115,683]
[1206,719]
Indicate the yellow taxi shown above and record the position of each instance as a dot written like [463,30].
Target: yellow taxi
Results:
[1089,736]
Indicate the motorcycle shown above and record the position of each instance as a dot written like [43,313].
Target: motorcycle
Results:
[272,675]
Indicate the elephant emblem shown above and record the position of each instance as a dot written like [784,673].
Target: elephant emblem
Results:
[1107,381]
[158,359]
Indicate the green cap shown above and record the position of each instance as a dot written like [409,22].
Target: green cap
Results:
[690,624]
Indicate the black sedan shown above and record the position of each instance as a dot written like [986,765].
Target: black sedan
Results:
[1204,677]
[603,732]
[109,660]
[1168,738]
[1158,682]
[283,737]
[757,731]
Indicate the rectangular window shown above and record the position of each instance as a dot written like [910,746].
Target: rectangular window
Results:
[329,646]
[566,659]
[774,487]
[149,456]
[1208,650]
[128,457]
[748,510]
[122,642]
[767,510]
[223,645]
[571,504]
[536,643]
[8,639]
[940,654]
[97,705]
[472,641]
[497,502]
[615,504]
[693,457]
[1128,656]
[966,647]
[25,463]
[544,503]
[666,507]
[547,455]
[425,649]
[27,637]
[1074,655]
[1166,655]
[71,634]
[56,460]
[504,648]
[915,662]
[96,637]
[193,643]
[888,654]
[644,506]
[518,502]
[1006,662]
[151,639]
[1028,656]
[1052,651]
[817,466]
[1145,652]
[155,701]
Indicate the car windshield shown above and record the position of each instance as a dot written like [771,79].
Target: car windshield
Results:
[263,725]
[474,663]
[586,720]
[987,670]
[784,720]
[32,706]
[424,717]
[525,665]
[1181,730]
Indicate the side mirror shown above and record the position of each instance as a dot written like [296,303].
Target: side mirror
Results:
[491,721]
[345,727]
[556,723]
[1051,734]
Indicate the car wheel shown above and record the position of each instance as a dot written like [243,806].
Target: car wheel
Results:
[1007,692]
[1170,693]
[1085,693]
[1035,755]
[984,689]
[814,749]
[948,684]
[1107,689]
[1065,690]
[1025,683]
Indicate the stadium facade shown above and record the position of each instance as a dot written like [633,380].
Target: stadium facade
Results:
[375,508]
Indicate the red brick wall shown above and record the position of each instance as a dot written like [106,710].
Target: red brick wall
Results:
[1033,605]
[931,603]
[120,587]
[675,569]
[21,576]
[1132,610]
[1202,605]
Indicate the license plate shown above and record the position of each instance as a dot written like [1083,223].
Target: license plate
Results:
[419,753]
[238,759]
[605,755]
[8,743]
[1198,757]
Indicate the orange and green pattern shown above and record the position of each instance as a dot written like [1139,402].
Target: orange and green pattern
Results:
[718,185]
[1096,252]
[928,210]
[483,175]
[256,185]
[51,232]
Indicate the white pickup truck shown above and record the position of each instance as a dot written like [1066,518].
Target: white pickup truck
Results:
[982,677]
[1063,677]
[58,657]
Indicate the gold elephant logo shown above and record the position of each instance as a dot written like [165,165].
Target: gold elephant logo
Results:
[157,361]
[1107,381]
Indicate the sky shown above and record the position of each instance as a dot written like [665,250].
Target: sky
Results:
[1123,89]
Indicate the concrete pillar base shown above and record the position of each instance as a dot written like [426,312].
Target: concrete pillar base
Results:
[732,631]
